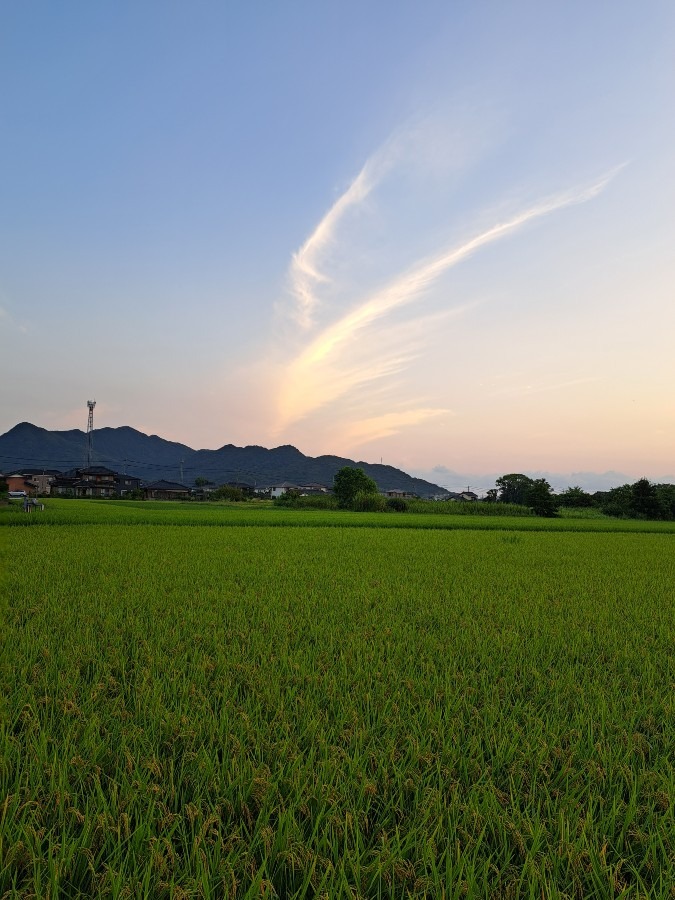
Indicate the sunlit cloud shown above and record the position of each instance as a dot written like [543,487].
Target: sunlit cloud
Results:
[388,424]
[307,271]
[329,367]
[352,333]
[416,143]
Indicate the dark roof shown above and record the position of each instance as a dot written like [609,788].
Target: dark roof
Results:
[96,470]
[166,486]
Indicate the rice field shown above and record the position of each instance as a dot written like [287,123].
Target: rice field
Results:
[161,512]
[334,711]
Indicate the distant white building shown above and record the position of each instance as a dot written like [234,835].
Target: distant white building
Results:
[278,490]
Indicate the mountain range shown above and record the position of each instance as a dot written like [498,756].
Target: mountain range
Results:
[27,447]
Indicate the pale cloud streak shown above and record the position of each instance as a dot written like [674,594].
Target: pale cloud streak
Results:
[377,427]
[305,272]
[332,365]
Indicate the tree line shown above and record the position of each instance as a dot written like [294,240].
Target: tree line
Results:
[641,500]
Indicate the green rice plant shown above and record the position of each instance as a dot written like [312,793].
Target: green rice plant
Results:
[127,512]
[374,712]
[468,508]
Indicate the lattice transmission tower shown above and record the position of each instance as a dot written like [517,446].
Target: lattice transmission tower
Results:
[90,431]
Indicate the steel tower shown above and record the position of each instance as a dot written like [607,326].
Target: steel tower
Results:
[90,431]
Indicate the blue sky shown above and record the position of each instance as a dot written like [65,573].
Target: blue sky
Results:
[441,235]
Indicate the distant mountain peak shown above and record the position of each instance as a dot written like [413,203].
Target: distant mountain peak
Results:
[152,457]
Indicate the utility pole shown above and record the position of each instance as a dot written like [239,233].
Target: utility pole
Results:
[181,470]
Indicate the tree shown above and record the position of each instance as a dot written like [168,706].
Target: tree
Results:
[491,495]
[349,481]
[666,497]
[575,497]
[226,492]
[540,498]
[202,482]
[513,488]
[644,500]
[617,502]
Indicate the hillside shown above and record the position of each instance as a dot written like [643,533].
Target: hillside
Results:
[150,457]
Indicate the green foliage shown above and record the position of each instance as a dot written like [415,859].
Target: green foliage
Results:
[397,504]
[421,515]
[666,497]
[372,712]
[348,482]
[129,495]
[586,512]
[226,492]
[291,497]
[366,501]
[513,488]
[202,482]
[308,501]
[642,500]
[575,498]
[457,508]
[539,497]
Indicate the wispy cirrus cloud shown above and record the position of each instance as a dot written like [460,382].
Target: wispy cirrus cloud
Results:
[352,338]
[387,424]
[330,366]
[305,271]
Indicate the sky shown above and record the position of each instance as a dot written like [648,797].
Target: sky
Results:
[441,235]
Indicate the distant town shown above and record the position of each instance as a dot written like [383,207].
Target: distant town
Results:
[100,481]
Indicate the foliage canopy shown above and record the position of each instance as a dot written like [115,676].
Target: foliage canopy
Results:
[350,481]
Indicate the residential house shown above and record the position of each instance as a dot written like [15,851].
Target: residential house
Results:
[165,490]
[94,481]
[127,484]
[41,480]
[19,483]
[314,488]
[278,490]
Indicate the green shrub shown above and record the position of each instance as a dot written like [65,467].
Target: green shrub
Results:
[295,500]
[349,482]
[460,508]
[225,492]
[396,504]
[365,501]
